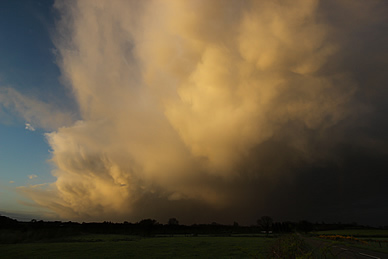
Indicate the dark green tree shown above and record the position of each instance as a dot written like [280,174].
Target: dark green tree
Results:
[173,222]
[265,222]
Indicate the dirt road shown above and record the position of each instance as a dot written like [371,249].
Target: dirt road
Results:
[328,250]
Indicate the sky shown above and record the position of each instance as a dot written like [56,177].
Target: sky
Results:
[206,111]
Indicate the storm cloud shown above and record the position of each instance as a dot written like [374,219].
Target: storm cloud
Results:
[221,111]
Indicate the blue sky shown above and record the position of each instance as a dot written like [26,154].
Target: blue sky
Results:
[27,64]
[28,61]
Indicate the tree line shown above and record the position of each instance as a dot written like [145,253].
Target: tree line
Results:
[39,229]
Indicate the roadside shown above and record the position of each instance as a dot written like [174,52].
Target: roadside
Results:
[329,249]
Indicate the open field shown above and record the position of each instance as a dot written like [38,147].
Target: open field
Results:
[147,239]
[181,246]
[113,246]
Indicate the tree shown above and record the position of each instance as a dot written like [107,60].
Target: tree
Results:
[305,226]
[148,222]
[265,223]
[148,226]
[173,222]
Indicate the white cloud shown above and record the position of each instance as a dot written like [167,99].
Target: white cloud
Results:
[32,176]
[29,127]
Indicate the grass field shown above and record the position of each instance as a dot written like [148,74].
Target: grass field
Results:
[118,246]
[127,246]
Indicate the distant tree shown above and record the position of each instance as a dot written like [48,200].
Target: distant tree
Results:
[7,222]
[235,224]
[277,227]
[173,222]
[148,222]
[265,223]
[305,226]
[148,226]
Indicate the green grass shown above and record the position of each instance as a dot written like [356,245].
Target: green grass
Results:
[291,246]
[116,246]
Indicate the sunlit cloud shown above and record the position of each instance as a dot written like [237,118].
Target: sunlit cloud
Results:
[11,181]
[189,105]
[29,127]
[32,176]
[40,114]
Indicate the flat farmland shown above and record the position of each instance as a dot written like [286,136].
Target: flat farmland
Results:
[116,246]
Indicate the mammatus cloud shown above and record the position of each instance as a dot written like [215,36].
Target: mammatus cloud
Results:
[190,106]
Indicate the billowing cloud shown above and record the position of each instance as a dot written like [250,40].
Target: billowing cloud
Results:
[209,110]
[32,176]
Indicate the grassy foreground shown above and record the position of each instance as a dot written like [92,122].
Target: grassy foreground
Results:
[116,246]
